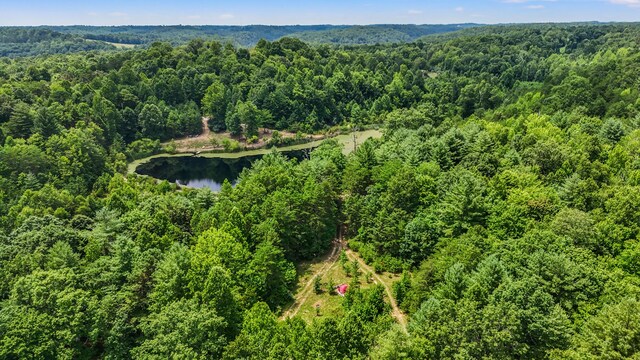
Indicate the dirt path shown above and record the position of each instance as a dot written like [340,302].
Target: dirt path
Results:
[338,245]
[205,140]
[329,261]
[395,310]
[205,128]
[303,294]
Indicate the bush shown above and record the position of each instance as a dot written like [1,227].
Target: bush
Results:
[230,145]
[214,142]
[331,287]
[392,264]
[276,138]
[142,148]
[170,147]
[317,285]
[378,266]
[355,270]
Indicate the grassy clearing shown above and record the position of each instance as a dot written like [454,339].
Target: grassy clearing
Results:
[122,46]
[331,304]
[360,137]
[117,45]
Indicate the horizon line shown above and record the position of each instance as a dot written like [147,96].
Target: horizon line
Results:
[328,24]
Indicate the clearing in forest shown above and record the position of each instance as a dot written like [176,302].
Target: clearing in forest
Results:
[309,305]
[210,141]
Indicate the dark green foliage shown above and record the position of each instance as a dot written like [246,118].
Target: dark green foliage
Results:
[505,187]
[31,41]
[375,34]
[317,285]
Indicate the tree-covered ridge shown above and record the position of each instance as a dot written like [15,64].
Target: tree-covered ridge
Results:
[249,35]
[45,40]
[505,188]
[376,34]
[32,41]
[244,36]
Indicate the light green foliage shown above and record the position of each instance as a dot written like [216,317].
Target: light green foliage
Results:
[505,187]
[151,121]
[317,284]
[182,329]
[143,148]
[612,333]
[214,105]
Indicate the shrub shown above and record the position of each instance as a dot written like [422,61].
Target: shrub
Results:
[230,145]
[142,148]
[331,287]
[317,285]
[170,147]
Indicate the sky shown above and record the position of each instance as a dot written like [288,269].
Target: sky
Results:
[305,12]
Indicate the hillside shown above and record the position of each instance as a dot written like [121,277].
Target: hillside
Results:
[497,215]
[376,34]
[29,41]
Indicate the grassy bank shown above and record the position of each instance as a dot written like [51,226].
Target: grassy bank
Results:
[347,140]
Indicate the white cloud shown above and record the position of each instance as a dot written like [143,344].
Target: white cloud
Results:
[226,16]
[459,9]
[415,12]
[535,7]
[632,3]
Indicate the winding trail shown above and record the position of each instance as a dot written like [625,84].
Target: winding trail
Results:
[303,295]
[395,310]
[338,245]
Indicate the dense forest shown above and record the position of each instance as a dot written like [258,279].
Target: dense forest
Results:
[20,41]
[249,35]
[505,190]
[41,40]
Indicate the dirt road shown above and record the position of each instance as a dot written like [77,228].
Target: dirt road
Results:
[303,294]
[395,310]
[338,245]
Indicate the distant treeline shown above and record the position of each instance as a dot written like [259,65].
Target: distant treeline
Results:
[31,41]
[250,35]
[506,186]
[43,40]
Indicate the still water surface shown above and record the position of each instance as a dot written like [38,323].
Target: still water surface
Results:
[201,172]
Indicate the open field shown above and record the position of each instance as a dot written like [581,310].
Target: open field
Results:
[122,46]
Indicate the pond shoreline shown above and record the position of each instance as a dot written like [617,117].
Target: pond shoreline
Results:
[345,139]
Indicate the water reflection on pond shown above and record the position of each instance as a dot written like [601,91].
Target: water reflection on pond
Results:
[200,172]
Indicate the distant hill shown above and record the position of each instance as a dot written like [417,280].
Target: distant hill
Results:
[376,34]
[250,35]
[580,30]
[179,34]
[28,41]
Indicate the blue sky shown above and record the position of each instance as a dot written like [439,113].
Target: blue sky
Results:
[280,12]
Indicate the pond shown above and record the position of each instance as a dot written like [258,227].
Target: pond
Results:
[204,172]
[209,170]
